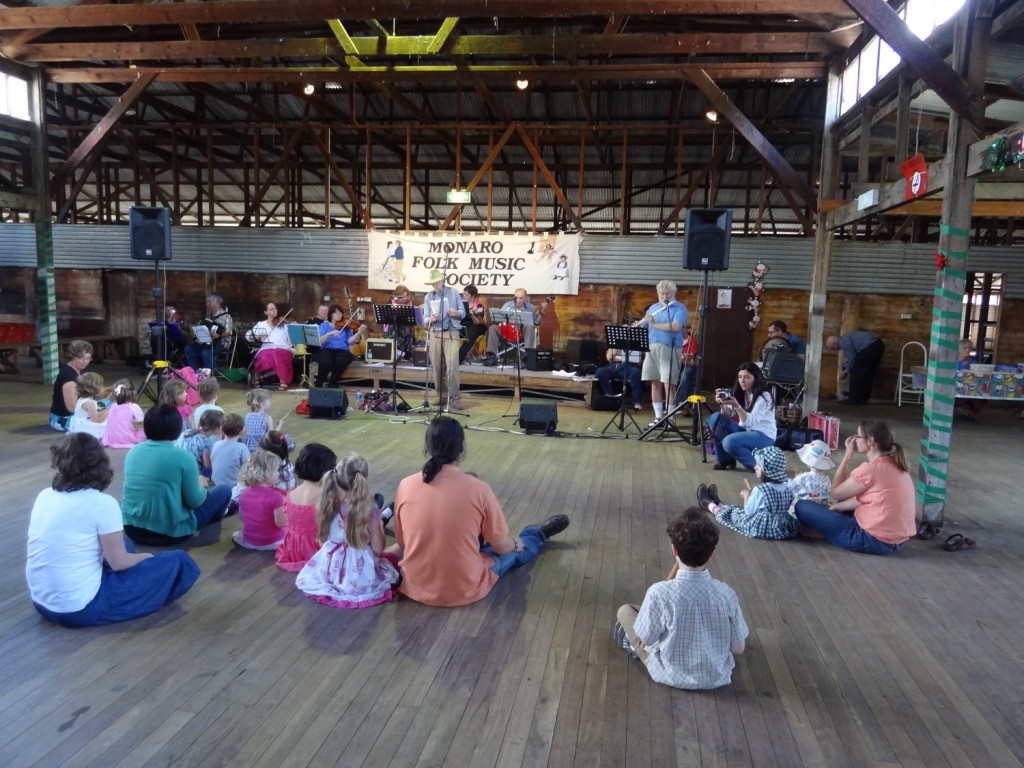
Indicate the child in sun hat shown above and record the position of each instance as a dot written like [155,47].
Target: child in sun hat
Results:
[815,485]
[765,511]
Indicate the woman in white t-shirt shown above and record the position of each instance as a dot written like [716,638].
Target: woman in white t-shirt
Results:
[81,571]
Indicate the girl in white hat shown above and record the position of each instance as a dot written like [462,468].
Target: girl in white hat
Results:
[815,485]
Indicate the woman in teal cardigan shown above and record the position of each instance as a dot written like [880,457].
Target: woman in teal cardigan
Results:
[162,502]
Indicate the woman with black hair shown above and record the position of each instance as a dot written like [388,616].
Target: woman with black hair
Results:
[81,571]
[752,405]
[452,535]
[162,501]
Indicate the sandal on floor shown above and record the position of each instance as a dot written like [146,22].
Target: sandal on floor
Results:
[958,543]
[927,531]
[282,387]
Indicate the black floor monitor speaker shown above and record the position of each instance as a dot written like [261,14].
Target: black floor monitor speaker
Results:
[327,403]
[707,237]
[538,417]
[149,230]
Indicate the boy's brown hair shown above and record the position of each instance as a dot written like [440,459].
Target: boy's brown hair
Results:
[694,536]
[233,425]
[209,390]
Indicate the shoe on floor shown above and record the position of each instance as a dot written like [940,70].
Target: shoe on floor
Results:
[386,513]
[378,499]
[704,499]
[730,464]
[55,423]
[490,360]
[637,407]
[713,493]
[620,639]
[554,525]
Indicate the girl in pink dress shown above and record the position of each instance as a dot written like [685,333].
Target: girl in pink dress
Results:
[300,542]
[260,505]
[351,570]
[124,418]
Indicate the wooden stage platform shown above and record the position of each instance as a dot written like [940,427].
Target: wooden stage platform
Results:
[857,661]
[474,377]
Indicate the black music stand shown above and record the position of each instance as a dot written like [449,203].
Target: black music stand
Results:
[626,338]
[398,315]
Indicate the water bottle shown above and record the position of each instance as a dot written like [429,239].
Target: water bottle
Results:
[359,399]
[369,354]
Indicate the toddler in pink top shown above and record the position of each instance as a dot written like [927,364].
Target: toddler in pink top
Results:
[175,394]
[124,418]
[300,541]
[261,505]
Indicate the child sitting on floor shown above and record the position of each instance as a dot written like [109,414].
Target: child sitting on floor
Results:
[300,542]
[689,626]
[257,422]
[209,392]
[124,418]
[765,511]
[281,445]
[814,485]
[175,394]
[351,569]
[260,505]
[228,455]
[89,415]
[199,442]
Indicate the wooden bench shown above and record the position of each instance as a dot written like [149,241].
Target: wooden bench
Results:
[114,347]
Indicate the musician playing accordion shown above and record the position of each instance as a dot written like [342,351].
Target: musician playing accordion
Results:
[218,322]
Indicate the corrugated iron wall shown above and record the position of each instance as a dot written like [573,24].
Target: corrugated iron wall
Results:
[894,268]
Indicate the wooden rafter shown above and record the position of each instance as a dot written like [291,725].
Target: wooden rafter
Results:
[267,11]
[100,134]
[531,147]
[746,70]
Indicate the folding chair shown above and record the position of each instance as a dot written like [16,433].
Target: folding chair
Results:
[784,372]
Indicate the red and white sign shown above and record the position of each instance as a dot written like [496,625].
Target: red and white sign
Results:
[915,171]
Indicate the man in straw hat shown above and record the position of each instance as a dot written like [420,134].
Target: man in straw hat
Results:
[442,315]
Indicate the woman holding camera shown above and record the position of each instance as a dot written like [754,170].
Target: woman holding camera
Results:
[745,421]
[474,324]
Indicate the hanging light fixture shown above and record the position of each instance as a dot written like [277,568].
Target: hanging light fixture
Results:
[711,115]
[522,84]
[308,89]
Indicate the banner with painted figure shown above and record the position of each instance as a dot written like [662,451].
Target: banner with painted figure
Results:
[496,264]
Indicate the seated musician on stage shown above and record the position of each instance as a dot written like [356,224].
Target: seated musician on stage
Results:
[778,330]
[275,352]
[521,302]
[474,324]
[335,340]
[616,369]
[405,338]
[220,325]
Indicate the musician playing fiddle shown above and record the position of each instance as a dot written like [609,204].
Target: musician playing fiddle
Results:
[220,325]
[664,320]
[335,339]
[275,352]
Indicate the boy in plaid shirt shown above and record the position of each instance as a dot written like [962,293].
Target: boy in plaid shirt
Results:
[689,626]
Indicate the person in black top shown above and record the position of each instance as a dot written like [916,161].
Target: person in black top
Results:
[65,394]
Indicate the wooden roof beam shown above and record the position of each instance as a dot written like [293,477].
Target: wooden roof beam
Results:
[757,70]
[640,44]
[101,132]
[784,172]
[443,38]
[268,11]
[922,58]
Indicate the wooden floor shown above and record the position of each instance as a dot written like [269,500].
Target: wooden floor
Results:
[915,660]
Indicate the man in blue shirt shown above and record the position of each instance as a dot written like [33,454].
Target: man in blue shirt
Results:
[664,320]
[778,330]
[863,351]
[442,315]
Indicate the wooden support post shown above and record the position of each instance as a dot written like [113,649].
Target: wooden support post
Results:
[969,57]
[369,178]
[407,206]
[823,239]
[46,291]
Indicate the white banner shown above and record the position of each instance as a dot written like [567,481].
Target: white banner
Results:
[495,263]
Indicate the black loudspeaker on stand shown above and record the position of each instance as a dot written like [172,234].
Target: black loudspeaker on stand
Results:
[707,239]
[538,417]
[150,233]
[327,403]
